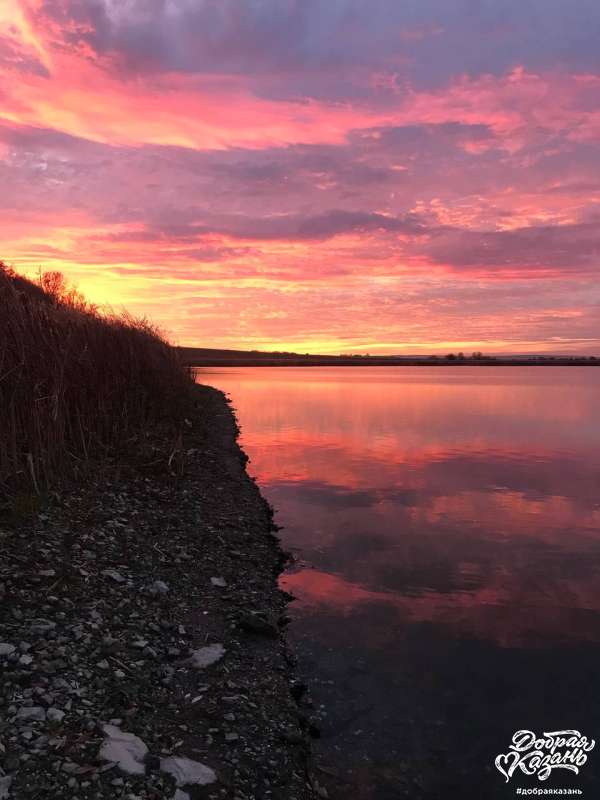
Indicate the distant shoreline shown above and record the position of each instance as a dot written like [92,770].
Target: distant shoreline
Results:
[197,357]
[317,363]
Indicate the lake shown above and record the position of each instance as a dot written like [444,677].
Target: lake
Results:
[446,527]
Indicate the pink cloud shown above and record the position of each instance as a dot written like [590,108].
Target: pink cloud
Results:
[329,193]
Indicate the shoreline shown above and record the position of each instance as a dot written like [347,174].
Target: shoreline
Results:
[205,357]
[375,364]
[146,600]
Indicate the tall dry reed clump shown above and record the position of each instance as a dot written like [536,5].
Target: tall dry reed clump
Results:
[74,382]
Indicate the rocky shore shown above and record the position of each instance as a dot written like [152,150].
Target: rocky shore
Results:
[142,633]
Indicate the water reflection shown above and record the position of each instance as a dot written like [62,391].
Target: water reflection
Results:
[449,523]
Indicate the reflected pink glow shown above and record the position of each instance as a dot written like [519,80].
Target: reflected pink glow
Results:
[453,496]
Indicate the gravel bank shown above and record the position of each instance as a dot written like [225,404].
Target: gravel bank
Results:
[142,644]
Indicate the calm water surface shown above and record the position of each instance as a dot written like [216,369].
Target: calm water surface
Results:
[447,525]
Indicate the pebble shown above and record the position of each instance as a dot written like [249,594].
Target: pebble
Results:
[6,649]
[112,573]
[125,749]
[187,772]
[31,714]
[43,626]
[221,582]
[55,715]
[158,587]
[205,656]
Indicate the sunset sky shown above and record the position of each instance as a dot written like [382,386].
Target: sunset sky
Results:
[314,175]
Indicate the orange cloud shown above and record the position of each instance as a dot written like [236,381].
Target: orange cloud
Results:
[333,209]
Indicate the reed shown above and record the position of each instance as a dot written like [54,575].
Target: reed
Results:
[76,383]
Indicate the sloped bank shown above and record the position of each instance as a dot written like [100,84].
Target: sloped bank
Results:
[142,638]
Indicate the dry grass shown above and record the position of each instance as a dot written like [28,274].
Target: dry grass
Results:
[75,383]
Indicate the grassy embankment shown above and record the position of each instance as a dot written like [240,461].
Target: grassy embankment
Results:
[76,383]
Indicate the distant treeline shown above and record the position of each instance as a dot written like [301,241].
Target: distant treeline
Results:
[204,357]
[75,382]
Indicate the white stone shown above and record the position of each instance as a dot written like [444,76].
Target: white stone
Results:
[112,573]
[158,587]
[206,656]
[126,749]
[219,582]
[179,795]
[55,715]
[6,649]
[187,772]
